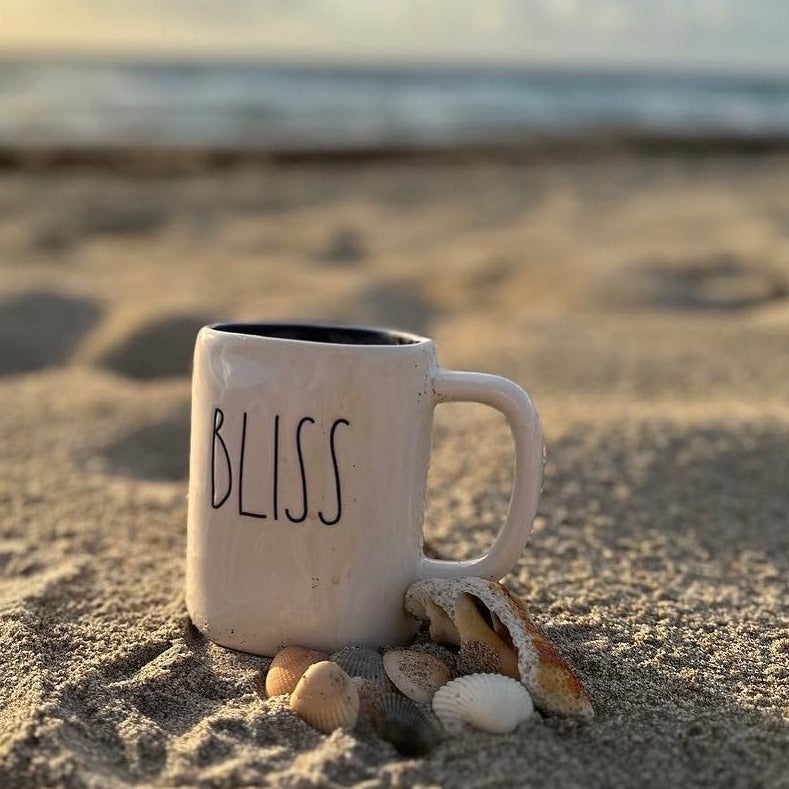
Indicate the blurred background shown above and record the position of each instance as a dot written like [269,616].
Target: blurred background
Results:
[344,73]
[586,196]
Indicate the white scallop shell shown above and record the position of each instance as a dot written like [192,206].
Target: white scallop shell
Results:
[489,702]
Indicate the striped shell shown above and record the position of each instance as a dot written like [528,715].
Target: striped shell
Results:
[403,724]
[489,702]
[287,668]
[418,675]
[371,694]
[363,662]
[326,698]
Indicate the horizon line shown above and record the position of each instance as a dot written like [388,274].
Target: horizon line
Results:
[401,63]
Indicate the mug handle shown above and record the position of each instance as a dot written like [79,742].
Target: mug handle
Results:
[516,405]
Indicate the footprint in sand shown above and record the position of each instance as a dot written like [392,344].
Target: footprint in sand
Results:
[662,468]
[42,329]
[157,451]
[68,224]
[719,283]
[162,349]
[394,304]
[345,248]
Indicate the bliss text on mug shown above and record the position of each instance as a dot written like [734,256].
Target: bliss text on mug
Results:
[256,473]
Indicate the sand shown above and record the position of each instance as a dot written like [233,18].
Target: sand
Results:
[642,300]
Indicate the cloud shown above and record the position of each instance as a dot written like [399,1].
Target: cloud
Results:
[726,32]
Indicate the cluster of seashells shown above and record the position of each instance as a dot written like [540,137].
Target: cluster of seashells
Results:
[332,691]
[488,662]
[495,633]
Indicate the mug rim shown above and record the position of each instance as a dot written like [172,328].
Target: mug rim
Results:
[255,330]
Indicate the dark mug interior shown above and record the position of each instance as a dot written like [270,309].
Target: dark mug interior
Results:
[323,333]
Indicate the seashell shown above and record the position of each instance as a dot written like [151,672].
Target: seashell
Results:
[287,668]
[371,695]
[481,650]
[442,628]
[364,662]
[326,698]
[410,730]
[548,678]
[440,652]
[489,702]
[476,657]
[500,630]
[418,675]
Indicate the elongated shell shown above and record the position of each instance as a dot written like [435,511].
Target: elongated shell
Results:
[418,675]
[550,681]
[488,702]
[481,648]
[287,668]
[326,698]
[442,628]
[410,730]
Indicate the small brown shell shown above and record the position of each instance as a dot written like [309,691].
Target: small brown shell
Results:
[326,698]
[440,652]
[287,668]
[417,675]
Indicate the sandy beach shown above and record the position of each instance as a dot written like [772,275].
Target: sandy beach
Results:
[641,298]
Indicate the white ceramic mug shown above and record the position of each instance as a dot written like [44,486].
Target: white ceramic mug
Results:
[308,471]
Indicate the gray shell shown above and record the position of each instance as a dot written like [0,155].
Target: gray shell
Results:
[357,661]
[403,724]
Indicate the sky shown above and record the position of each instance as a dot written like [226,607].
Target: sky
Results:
[729,35]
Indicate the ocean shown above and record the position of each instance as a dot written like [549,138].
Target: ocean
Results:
[79,103]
